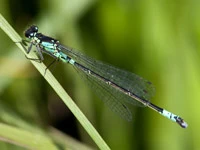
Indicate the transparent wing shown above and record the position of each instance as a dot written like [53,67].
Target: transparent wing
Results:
[107,94]
[132,82]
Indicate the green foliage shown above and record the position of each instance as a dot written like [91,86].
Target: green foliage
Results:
[159,40]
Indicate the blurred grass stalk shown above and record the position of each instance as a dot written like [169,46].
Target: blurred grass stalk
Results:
[24,138]
[56,86]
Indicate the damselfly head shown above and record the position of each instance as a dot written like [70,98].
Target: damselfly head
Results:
[31,31]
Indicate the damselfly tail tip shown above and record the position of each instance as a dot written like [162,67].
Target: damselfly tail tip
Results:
[184,125]
[181,122]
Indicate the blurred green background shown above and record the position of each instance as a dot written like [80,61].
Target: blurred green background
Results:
[158,40]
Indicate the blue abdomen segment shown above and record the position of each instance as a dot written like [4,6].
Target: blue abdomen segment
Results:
[65,58]
[169,115]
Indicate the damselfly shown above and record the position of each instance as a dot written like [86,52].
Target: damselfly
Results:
[114,86]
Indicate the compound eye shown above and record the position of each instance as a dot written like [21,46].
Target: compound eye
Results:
[31,31]
[27,34]
[35,28]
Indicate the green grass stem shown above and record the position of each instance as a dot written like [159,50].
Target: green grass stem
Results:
[56,86]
